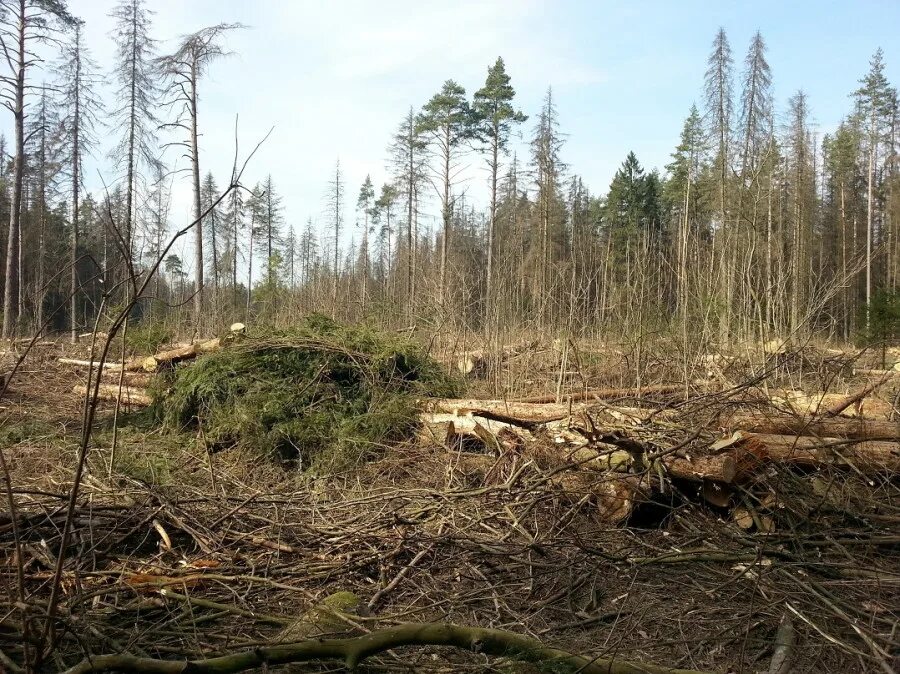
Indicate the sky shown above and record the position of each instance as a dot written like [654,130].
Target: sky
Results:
[333,78]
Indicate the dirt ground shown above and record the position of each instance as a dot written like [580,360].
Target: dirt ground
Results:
[176,552]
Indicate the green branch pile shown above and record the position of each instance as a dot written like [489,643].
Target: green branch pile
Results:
[321,394]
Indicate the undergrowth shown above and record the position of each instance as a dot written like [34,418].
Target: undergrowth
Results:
[321,394]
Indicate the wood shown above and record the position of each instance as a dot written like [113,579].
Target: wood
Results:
[859,397]
[523,411]
[492,427]
[837,427]
[130,395]
[607,393]
[152,363]
[859,404]
[867,456]
[476,361]
[354,650]
[87,363]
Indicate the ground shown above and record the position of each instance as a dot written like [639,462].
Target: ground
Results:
[178,552]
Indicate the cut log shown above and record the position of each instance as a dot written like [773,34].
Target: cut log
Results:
[152,363]
[833,404]
[87,363]
[867,456]
[612,497]
[130,395]
[837,427]
[476,361]
[608,393]
[525,412]
[858,398]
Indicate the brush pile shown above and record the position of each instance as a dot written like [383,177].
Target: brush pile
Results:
[321,394]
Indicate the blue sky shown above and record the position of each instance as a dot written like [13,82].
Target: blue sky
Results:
[334,78]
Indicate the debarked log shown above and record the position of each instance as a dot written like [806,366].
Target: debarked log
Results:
[129,394]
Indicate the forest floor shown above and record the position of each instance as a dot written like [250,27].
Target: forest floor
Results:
[178,552]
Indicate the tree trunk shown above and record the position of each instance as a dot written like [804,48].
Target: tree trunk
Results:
[195,166]
[13,271]
[76,177]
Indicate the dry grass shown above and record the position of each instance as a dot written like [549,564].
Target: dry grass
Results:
[425,534]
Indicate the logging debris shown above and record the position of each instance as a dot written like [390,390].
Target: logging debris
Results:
[321,394]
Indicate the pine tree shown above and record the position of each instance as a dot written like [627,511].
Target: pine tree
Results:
[718,91]
[495,116]
[684,171]
[448,122]
[408,161]
[383,216]
[44,167]
[335,198]
[209,193]
[802,186]
[548,168]
[157,223]
[756,113]
[234,217]
[134,114]
[268,231]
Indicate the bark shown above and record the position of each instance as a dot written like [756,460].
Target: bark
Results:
[129,395]
[612,393]
[352,651]
[12,277]
[867,456]
[172,356]
[195,167]
[859,429]
[859,397]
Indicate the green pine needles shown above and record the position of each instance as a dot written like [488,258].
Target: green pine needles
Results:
[322,395]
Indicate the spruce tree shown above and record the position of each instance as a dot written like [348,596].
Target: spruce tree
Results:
[874,102]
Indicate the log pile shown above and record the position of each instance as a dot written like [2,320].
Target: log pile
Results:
[596,440]
[615,454]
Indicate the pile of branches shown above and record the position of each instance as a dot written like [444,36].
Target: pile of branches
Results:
[742,529]
[511,540]
[322,395]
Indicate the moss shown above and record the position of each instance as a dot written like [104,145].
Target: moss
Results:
[321,394]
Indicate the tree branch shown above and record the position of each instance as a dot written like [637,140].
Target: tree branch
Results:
[354,650]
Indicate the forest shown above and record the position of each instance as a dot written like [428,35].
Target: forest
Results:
[481,417]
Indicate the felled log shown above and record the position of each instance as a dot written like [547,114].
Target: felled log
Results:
[867,456]
[859,404]
[152,363]
[499,409]
[130,394]
[837,427]
[87,363]
[859,397]
[608,393]
[476,361]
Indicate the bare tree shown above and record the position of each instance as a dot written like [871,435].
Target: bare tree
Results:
[335,200]
[408,160]
[23,25]
[79,114]
[183,69]
[134,115]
